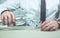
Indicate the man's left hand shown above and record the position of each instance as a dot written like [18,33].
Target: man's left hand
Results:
[49,25]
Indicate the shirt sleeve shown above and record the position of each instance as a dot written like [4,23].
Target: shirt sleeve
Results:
[9,5]
[2,9]
[58,11]
[52,10]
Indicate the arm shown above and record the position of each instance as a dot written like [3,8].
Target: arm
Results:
[58,14]
[7,16]
[9,5]
[50,23]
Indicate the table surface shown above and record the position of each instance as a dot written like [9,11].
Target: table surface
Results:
[28,32]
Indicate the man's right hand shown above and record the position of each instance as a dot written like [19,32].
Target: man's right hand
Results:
[8,18]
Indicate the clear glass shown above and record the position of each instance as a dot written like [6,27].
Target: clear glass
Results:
[20,20]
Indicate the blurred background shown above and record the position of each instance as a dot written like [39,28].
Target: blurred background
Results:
[2,1]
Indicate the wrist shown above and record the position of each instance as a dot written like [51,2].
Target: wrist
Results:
[4,11]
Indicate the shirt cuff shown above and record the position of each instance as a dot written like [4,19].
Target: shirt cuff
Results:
[2,9]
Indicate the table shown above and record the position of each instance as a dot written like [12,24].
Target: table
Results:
[29,33]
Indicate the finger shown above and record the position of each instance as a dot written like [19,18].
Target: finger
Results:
[6,20]
[54,28]
[3,22]
[48,28]
[44,23]
[9,19]
[14,24]
[13,17]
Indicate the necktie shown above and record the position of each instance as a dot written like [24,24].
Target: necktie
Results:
[43,10]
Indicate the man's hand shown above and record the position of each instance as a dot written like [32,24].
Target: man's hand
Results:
[49,25]
[8,18]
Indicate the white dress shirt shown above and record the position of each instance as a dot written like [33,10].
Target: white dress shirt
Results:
[29,10]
